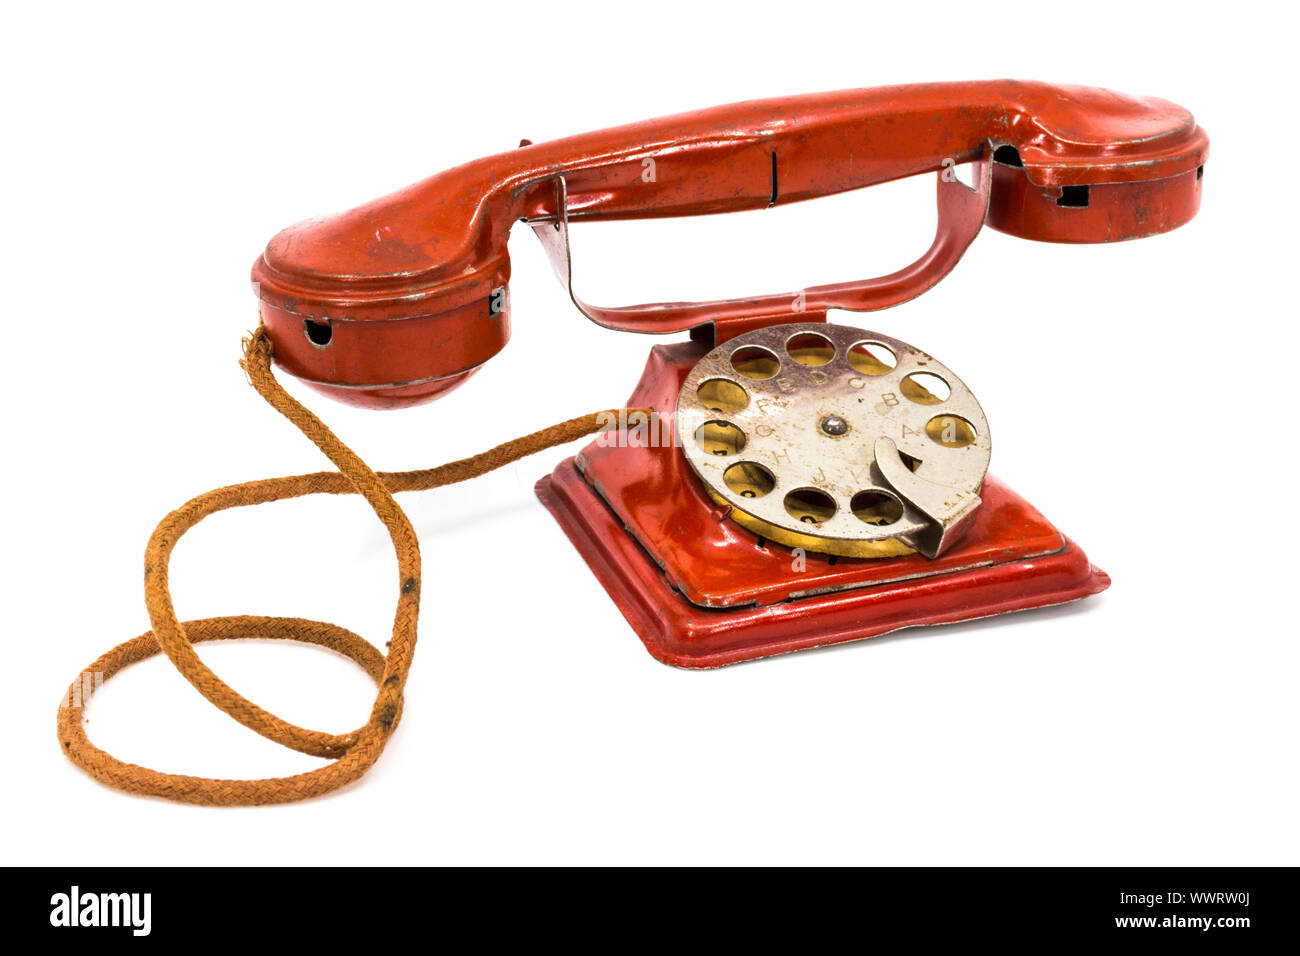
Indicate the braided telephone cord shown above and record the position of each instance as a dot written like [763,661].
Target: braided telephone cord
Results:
[352,753]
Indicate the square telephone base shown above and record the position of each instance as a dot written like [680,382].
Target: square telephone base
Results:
[700,591]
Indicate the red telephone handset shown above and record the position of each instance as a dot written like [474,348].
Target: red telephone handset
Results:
[398,301]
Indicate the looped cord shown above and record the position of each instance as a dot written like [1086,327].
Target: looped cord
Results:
[352,753]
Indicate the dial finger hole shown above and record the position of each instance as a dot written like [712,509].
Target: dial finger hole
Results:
[809,348]
[871,358]
[924,388]
[754,361]
[877,508]
[809,505]
[749,479]
[719,438]
[950,431]
[722,395]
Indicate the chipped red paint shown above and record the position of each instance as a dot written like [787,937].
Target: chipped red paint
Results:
[405,288]
[701,591]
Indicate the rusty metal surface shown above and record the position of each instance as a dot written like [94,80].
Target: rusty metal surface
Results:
[412,285]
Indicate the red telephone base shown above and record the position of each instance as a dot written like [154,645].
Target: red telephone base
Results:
[701,591]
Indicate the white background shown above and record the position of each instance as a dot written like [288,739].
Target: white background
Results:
[1141,395]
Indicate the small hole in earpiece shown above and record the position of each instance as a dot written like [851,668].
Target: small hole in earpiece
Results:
[1008,155]
[318,333]
[1073,197]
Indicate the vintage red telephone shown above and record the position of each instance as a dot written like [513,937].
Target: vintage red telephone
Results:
[786,482]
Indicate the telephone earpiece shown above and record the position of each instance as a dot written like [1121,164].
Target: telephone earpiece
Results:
[398,301]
